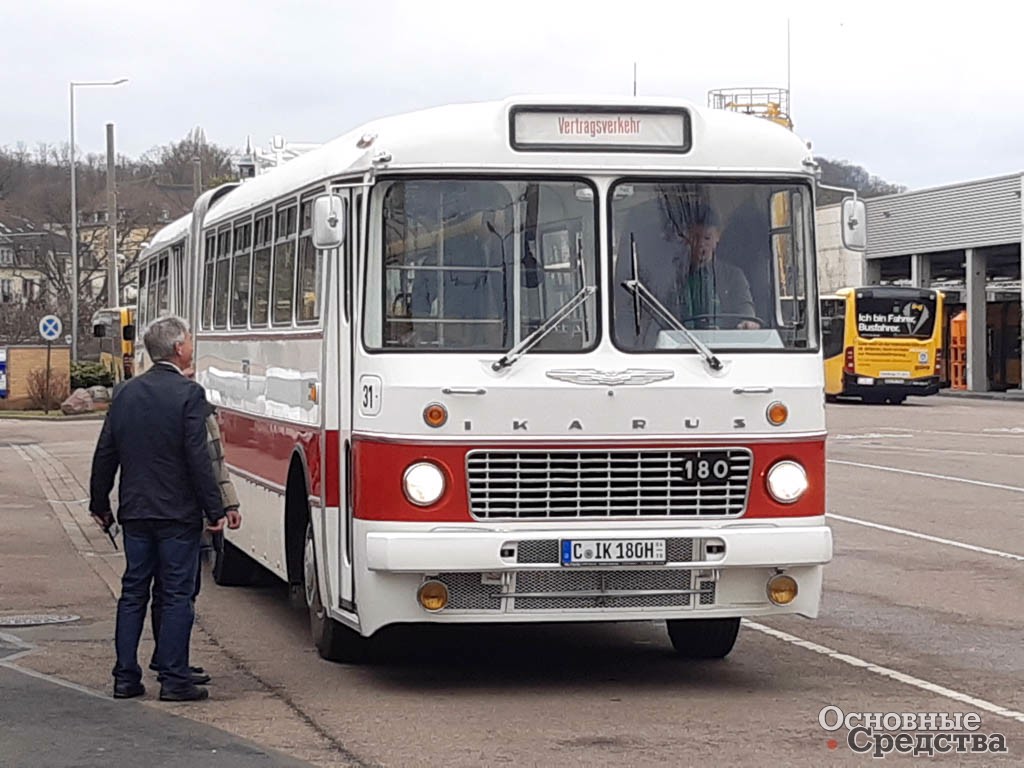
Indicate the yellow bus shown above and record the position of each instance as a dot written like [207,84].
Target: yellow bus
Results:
[882,343]
[115,328]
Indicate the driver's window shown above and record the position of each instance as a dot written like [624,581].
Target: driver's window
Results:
[788,255]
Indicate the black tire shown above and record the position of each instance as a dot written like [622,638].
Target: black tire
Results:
[334,641]
[898,400]
[703,638]
[231,566]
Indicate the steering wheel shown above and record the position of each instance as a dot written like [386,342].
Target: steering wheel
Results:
[718,315]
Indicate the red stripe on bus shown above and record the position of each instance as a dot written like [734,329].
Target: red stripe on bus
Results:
[264,448]
[379,466]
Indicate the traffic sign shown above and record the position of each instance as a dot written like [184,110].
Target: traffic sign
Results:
[50,328]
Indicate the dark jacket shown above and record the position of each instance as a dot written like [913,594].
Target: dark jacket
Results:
[155,431]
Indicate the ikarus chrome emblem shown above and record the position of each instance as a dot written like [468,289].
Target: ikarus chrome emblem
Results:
[631,377]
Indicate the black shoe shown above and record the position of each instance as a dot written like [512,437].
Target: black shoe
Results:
[193,670]
[197,675]
[191,693]
[128,690]
[203,679]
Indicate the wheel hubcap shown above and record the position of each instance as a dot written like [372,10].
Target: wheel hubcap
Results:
[309,571]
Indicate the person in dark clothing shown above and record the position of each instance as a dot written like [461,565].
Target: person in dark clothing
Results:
[155,433]
[229,497]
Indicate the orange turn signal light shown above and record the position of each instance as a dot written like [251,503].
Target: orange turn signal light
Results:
[777,413]
[435,415]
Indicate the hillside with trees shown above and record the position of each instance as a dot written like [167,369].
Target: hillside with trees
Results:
[840,173]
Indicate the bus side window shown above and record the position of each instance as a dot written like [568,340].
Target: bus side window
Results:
[222,271]
[151,301]
[832,327]
[260,299]
[208,258]
[353,245]
[284,265]
[308,270]
[163,297]
[240,273]
[143,296]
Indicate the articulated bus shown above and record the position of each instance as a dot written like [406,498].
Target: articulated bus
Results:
[882,343]
[115,328]
[523,361]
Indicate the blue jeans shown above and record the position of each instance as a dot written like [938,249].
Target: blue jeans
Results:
[156,609]
[171,551]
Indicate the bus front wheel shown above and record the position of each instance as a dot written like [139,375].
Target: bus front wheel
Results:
[334,641]
[703,638]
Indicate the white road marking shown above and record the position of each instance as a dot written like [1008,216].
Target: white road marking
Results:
[912,449]
[951,478]
[866,436]
[926,537]
[988,433]
[892,674]
[52,679]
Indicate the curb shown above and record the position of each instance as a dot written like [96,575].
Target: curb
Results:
[16,416]
[1015,396]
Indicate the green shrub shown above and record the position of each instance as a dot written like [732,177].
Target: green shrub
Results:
[85,375]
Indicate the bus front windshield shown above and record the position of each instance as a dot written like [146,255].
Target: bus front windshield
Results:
[479,265]
[730,262]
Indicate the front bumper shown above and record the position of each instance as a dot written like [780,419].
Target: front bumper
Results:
[453,550]
[514,574]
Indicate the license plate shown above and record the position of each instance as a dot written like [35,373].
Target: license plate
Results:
[894,381]
[613,551]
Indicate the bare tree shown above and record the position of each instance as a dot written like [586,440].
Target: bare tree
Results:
[174,161]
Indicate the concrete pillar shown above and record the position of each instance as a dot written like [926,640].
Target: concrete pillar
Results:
[977,352]
[872,272]
[921,270]
[1021,196]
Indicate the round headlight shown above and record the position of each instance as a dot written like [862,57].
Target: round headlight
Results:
[423,483]
[787,482]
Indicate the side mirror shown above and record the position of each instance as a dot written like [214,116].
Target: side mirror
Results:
[328,222]
[853,223]
[99,331]
[128,333]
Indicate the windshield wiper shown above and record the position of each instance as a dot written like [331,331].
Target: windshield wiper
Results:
[642,294]
[534,338]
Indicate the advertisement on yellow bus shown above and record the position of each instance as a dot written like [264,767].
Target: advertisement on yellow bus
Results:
[882,343]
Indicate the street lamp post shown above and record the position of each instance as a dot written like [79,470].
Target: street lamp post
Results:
[74,210]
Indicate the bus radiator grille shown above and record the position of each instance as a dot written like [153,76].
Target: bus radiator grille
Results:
[639,484]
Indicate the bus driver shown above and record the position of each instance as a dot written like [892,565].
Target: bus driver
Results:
[710,292]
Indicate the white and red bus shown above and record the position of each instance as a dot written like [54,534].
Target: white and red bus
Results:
[524,361]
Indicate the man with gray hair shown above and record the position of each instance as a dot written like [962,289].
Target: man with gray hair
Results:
[155,433]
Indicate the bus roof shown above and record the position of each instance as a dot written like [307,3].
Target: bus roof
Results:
[170,234]
[882,291]
[475,137]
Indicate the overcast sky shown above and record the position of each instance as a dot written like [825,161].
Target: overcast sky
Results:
[917,95]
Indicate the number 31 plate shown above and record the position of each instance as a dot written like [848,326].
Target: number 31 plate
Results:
[613,551]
